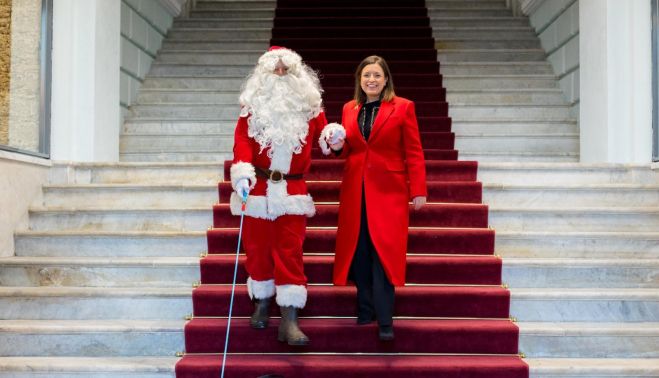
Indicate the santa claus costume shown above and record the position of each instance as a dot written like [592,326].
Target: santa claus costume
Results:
[281,117]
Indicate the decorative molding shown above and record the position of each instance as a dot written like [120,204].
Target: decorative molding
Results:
[530,6]
[173,7]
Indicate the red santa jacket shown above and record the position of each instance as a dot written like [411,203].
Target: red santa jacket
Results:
[268,199]
[391,168]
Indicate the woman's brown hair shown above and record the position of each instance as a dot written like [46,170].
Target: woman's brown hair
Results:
[388,91]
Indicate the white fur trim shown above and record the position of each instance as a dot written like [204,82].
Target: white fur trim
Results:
[241,170]
[281,157]
[325,135]
[260,289]
[292,295]
[257,206]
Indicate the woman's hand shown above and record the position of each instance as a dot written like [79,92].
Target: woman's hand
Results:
[418,202]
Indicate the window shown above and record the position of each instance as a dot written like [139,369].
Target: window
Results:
[655,79]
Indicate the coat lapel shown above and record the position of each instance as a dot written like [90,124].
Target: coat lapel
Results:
[386,109]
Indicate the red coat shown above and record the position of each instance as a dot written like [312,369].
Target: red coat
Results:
[392,168]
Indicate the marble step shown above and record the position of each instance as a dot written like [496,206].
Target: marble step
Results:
[489,55]
[170,44]
[496,68]
[170,220]
[219,34]
[242,4]
[567,173]
[163,367]
[196,70]
[183,156]
[447,43]
[183,271]
[440,21]
[89,367]
[117,244]
[575,219]
[487,112]
[589,340]
[132,173]
[225,22]
[484,32]
[480,82]
[519,157]
[160,96]
[200,111]
[505,97]
[145,196]
[172,303]
[512,127]
[577,244]
[232,14]
[512,143]
[220,83]
[168,143]
[96,338]
[95,303]
[137,126]
[435,11]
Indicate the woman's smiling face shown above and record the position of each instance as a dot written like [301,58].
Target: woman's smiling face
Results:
[373,81]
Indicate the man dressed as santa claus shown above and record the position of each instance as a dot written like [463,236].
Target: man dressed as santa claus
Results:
[281,117]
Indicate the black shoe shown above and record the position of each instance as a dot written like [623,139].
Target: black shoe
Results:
[259,319]
[386,333]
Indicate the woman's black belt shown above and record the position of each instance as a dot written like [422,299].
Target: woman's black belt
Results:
[276,176]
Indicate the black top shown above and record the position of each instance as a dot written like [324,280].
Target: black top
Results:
[367,116]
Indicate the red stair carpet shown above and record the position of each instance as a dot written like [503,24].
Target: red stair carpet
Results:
[453,316]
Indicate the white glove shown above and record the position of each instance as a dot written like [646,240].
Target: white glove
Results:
[336,136]
[242,187]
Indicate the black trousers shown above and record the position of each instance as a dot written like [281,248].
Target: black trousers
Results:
[375,294]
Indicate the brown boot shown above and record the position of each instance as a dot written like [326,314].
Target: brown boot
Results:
[289,332]
[259,319]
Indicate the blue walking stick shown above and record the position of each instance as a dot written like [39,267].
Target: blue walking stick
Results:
[233,285]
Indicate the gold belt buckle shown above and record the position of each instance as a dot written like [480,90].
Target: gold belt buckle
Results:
[276,176]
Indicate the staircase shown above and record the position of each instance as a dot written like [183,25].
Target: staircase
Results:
[102,278]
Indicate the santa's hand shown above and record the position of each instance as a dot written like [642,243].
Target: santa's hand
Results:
[242,187]
[418,202]
[336,139]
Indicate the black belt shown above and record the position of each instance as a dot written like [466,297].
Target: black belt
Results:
[276,176]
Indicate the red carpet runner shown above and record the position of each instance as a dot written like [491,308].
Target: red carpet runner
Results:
[453,315]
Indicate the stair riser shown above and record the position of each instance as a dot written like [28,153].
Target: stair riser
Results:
[224,5]
[202,57]
[206,174]
[551,176]
[490,56]
[93,344]
[234,14]
[539,113]
[504,128]
[475,83]
[504,98]
[584,310]
[440,21]
[140,144]
[517,144]
[205,45]
[119,246]
[190,97]
[215,35]
[466,4]
[584,221]
[588,346]
[224,112]
[174,157]
[223,23]
[180,127]
[610,276]
[188,220]
[568,198]
[508,34]
[228,84]
[136,198]
[96,307]
[435,12]
[512,158]
[447,43]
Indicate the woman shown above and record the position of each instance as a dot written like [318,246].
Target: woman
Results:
[384,169]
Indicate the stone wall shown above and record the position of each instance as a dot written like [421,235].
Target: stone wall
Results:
[5,59]
[24,90]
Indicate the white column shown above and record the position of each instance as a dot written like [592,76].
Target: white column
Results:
[85,92]
[616,81]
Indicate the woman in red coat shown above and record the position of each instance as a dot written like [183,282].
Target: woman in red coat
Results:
[384,170]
